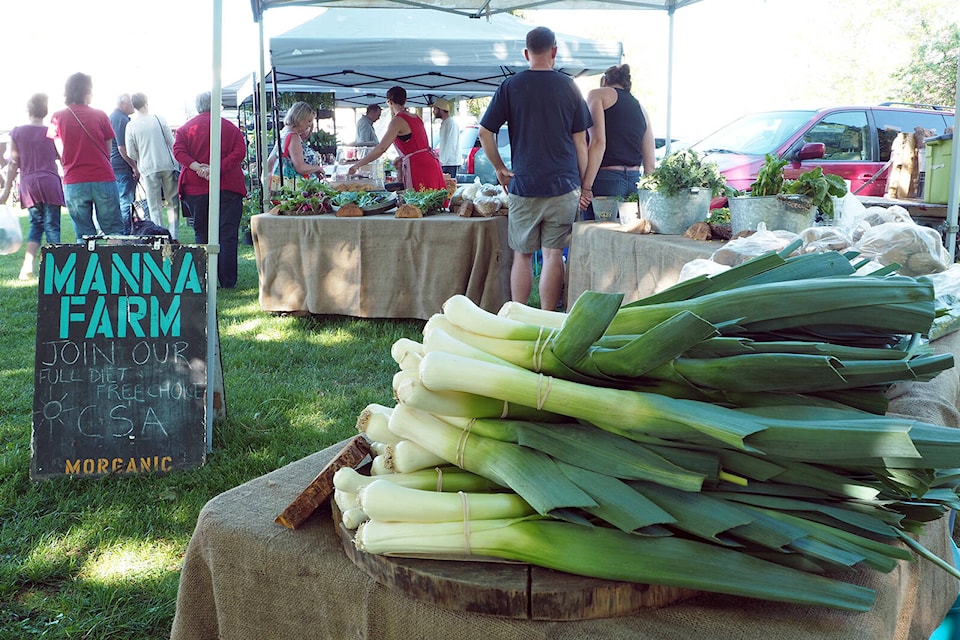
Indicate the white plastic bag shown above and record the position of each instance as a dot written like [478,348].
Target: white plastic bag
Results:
[917,249]
[10,235]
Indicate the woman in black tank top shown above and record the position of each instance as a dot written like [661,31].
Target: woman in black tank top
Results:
[621,140]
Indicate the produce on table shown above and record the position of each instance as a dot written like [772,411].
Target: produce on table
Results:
[727,434]
[681,171]
[364,199]
[427,200]
[304,198]
[815,187]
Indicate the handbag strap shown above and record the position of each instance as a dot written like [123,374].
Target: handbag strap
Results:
[169,150]
[94,140]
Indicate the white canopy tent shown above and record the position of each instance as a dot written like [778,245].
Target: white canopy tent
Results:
[428,53]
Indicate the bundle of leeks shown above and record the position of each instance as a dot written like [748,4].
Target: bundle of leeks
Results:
[725,435]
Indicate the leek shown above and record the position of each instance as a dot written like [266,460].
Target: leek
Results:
[506,464]
[406,456]
[613,555]
[446,478]
[385,501]
[373,422]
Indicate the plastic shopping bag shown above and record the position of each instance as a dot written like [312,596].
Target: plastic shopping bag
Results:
[10,235]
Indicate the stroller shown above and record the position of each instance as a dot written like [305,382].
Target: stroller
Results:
[140,222]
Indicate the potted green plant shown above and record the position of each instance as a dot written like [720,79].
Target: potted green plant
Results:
[678,192]
[782,204]
[323,142]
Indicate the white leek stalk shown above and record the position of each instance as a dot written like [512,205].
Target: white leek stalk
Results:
[532,315]
[385,501]
[345,499]
[530,473]
[353,518]
[464,312]
[613,555]
[407,456]
[441,478]
[373,421]
[404,347]
[378,466]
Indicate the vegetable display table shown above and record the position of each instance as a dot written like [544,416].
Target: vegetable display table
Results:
[604,257]
[380,266]
[245,577]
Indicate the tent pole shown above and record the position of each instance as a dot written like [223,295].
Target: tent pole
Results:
[952,204]
[667,135]
[213,240]
[262,116]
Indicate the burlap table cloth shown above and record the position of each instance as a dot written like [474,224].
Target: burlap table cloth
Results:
[246,578]
[380,266]
[603,256]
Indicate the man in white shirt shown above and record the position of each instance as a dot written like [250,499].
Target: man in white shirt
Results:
[366,136]
[149,142]
[449,138]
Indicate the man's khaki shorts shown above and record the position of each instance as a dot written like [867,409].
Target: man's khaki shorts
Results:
[546,222]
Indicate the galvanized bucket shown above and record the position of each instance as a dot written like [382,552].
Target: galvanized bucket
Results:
[672,215]
[605,207]
[792,214]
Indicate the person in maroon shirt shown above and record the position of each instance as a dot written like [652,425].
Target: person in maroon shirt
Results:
[191,148]
[34,156]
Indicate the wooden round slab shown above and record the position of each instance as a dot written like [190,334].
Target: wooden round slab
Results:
[513,590]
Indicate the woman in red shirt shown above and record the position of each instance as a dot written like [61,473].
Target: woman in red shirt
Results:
[419,165]
[83,136]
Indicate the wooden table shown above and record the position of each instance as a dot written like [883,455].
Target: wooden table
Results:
[380,266]
[916,207]
[604,257]
[246,578]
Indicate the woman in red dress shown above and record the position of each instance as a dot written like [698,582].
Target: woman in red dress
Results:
[419,165]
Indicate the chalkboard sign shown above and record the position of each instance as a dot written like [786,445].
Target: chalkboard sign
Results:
[120,376]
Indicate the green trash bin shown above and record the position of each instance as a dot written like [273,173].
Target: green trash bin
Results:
[936,185]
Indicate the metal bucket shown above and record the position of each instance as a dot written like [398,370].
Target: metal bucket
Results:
[629,212]
[672,215]
[787,214]
[605,207]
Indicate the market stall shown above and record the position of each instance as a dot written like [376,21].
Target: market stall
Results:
[380,266]
[246,577]
[605,256]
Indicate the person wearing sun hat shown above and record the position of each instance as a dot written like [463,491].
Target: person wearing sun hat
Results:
[449,138]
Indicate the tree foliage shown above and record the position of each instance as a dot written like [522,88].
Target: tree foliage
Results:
[931,74]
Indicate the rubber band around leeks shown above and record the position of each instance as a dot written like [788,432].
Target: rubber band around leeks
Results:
[462,442]
[543,392]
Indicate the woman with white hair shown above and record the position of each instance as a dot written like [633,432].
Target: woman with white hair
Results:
[191,149]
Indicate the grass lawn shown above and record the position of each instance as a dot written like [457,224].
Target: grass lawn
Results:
[100,558]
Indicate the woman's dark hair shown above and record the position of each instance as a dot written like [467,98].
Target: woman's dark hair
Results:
[397,95]
[619,75]
[78,87]
[37,105]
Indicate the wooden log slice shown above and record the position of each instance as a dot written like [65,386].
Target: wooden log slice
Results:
[512,590]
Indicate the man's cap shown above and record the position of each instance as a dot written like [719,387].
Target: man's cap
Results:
[442,104]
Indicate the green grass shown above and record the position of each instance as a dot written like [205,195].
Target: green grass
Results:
[100,558]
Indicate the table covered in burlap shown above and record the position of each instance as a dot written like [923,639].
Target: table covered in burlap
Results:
[380,266]
[604,256]
[246,578]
